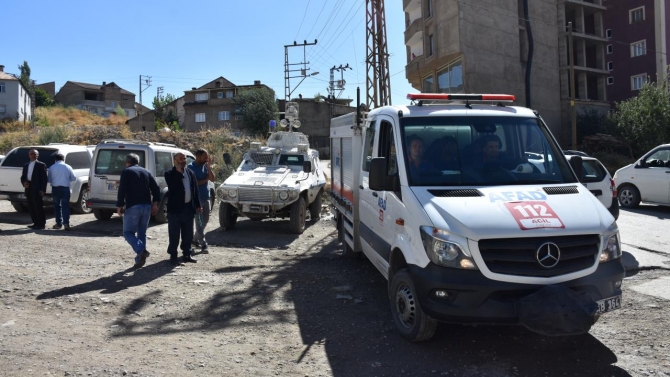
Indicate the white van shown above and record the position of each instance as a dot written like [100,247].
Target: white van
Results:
[444,202]
[646,180]
[109,159]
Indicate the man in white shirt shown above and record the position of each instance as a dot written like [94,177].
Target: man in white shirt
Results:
[60,177]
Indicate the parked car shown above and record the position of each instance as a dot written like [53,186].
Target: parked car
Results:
[109,159]
[647,180]
[570,152]
[77,156]
[597,179]
[2,157]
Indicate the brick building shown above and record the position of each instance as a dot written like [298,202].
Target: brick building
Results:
[98,99]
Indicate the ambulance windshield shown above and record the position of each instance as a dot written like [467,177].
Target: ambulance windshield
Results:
[484,150]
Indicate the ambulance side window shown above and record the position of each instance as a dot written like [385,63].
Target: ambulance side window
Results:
[368,146]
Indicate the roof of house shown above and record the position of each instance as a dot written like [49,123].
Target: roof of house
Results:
[7,76]
[99,87]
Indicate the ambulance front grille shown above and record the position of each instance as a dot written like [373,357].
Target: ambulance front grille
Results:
[518,256]
[258,195]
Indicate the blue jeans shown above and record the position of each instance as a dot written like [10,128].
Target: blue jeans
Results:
[61,198]
[135,224]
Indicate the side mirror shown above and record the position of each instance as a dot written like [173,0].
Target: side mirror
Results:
[641,164]
[307,166]
[378,169]
[576,165]
[226,159]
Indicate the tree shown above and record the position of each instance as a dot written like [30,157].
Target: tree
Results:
[119,111]
[257,107]
[42,98]
[318,97]
[24,77]
[162,117]
[644,121]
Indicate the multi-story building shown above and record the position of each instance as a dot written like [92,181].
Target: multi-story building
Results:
[483,47]
[638,40]
[211,105]
[15,100]
[98,99]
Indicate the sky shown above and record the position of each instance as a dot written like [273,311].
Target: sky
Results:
[185,44]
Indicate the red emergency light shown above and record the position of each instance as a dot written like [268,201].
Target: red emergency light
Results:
[460,97]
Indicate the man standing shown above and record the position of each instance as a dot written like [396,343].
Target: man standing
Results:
[201,167]
[34,181]
[140,194]
[183,204]
[60,177]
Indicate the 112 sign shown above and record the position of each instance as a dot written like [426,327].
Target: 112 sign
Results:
[534,215]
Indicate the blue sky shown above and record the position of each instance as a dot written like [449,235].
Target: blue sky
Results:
[184,44]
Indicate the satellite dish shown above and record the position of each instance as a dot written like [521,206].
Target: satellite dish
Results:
[283,123]
[295,123]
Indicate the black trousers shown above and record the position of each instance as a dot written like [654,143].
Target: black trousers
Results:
[181,224]
[36,207]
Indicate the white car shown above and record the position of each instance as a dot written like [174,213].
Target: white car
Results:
[647,180]
[597,179]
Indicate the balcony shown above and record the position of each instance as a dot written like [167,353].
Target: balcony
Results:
[589,6]
[414,33]
[410,6]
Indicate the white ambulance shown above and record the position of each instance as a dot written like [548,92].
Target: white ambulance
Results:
[443,200]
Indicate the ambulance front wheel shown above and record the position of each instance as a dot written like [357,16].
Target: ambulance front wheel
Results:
[411,322]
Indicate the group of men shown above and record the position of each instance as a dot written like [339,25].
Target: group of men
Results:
[139,197]
[34,179]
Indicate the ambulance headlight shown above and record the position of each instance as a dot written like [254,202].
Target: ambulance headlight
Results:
[444,252]
[611,247]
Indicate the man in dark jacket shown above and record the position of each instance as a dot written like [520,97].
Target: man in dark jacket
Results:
[136,191]
[184,202]
[34,181]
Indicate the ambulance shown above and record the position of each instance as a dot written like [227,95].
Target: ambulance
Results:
[468,207]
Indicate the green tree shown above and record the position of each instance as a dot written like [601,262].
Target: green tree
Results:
[119,111]
[42,98]
[257,106]
[163,117]
[24,77]
[644,121]
[318,97]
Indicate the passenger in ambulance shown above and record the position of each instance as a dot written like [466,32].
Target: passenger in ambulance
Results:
[416,161]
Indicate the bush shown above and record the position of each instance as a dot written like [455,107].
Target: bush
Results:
[612,161]
[11,140]
[52,135]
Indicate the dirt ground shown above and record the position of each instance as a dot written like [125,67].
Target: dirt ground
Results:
[264,302]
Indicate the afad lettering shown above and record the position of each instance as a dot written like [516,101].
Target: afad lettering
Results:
[511,196]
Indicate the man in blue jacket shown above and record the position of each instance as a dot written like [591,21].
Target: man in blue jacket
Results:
[182,206]
[140,194]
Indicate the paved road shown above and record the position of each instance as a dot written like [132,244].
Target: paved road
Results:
[645,237]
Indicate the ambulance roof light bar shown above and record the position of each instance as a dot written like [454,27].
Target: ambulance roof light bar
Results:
[460,97]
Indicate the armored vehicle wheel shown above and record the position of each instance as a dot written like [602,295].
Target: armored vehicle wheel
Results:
[412,323]
[161,215]
[315,208]
[20,207]
[103,214]
[227,216]
[298,215]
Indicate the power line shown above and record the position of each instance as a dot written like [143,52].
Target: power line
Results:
[303,20]
[317,17]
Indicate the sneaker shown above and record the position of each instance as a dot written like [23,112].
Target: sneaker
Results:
[67,227]
[57,226]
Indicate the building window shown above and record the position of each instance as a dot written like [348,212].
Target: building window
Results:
[427,86]
[2,87]
[638,48]
[200,117]
[201,96]
[610,49]
[429,8]
[229,94]
[450,78]
[113,104]
[610,66]
[638,81]
[636,15]
[608,33]
[3,109]
[224,115]
[430,45]
[610,80]
[219,94]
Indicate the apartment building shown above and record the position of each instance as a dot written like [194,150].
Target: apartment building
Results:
[638,40]
[15,100]
[98,99]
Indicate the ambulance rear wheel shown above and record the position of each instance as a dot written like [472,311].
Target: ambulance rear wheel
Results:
[298,215]
[411,322]
[227,216]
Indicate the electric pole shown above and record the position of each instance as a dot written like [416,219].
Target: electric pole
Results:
[340,83]
[376,60]
[147,81]
[159,91]
[288,70]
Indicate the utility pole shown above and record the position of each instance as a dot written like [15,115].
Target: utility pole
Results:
[32,104]
[147,81]
[159,91]
[288,70]
[376,60]
[340,85]
[573,113]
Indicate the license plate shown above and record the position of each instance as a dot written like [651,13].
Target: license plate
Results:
[608,304]
[256,208]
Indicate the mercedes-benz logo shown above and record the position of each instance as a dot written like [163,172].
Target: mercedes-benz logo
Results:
[548,255]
